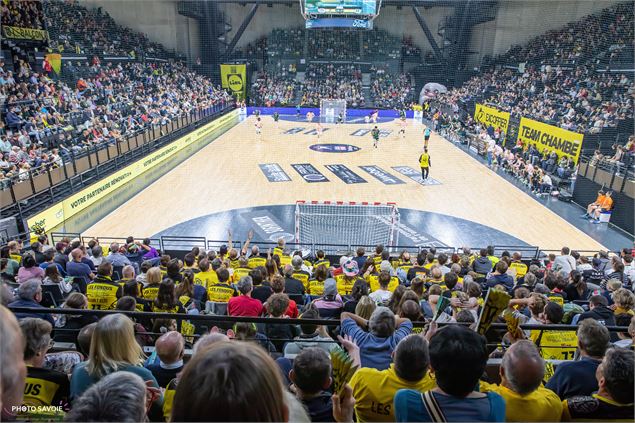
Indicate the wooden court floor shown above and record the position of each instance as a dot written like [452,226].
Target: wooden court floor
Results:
[225,175]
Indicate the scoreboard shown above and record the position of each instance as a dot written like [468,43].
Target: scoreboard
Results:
[340,7]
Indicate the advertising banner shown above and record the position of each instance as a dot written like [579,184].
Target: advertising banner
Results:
[234,78]
[550,138]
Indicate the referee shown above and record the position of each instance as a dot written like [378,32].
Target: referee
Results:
[424,162]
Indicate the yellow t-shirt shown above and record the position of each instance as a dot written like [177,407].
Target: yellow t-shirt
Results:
[102,296]
[424,160]
[316,288]
[344,285]
[205,279]
[150,292]
[555,345]
[541,405]
[373,283]
[254,262]
[302,277]
[220,292]
[521,269]
[240,272]
[374,391]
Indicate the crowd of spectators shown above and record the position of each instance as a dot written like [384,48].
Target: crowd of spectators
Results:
[274,88]
[77,29]
[47,120]
[573,94]
[579,41]
[283,372]
[332,81]
[286,43]
[22,14]
[390,91]
[334,44]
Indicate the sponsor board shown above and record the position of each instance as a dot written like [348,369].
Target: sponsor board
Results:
[381,175]
[491,116]
[334,148]
[309,173]
[415,175]
[345,174]
[274,172]
[550,138]
[56,214]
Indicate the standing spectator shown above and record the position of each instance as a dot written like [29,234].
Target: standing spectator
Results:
[574,378]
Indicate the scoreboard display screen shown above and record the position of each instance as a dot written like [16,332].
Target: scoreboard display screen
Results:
[340,7]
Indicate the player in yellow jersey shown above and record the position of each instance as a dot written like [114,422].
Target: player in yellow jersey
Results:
[425,163]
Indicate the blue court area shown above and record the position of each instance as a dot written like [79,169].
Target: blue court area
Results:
[415,228]
[351,120]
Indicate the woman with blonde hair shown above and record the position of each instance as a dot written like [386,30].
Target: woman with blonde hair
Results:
[624,302]
[113,348]
[365,307]
[153,281]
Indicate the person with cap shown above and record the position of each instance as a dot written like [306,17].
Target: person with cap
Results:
[244,304]
[347,279]
[376,337]
[330,304]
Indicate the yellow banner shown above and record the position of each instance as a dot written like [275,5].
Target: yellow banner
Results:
[550,138]
[234,78]
[18,33]
[490,116]
[55,215]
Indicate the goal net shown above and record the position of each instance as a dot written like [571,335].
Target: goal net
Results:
[330,109]
[359,224]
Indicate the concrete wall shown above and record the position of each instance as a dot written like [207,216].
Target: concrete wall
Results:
[158,19]
[519,21]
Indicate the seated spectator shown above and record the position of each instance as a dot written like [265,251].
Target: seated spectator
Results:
[310,336]
[73,322]
[118,397]
[458,357]
[52,277]
[385,330]
[383,294]
[278,285]
[500,277]
[522,371]
[374,390]
[76,268]
[279,333]
[29,269]
[113,348]
[626,339]
[168,361]
[102,292]
[166,300]
[43,386]
[30,295]
[598,310]
[614,398]
[330,304]
[360,289]
[244,304]
[575,378]
[13,369]
[116,258]
[311,378]
[230,381]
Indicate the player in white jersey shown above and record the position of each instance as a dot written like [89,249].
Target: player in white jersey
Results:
[258,126]
[309,116]
[374,116]
[402,127]
[319,130]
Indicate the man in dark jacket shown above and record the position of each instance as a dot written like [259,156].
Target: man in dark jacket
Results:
[600,311]
[500,277]
[30,295]
[482,265]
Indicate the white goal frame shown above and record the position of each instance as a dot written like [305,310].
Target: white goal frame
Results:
[387,214]
[330,109]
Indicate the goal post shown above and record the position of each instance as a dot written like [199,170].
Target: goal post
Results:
[346,223]
[330,109]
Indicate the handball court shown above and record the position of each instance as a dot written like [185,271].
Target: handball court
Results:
[226,175]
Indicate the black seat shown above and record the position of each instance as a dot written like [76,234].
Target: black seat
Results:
[298,298]
[52,296]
